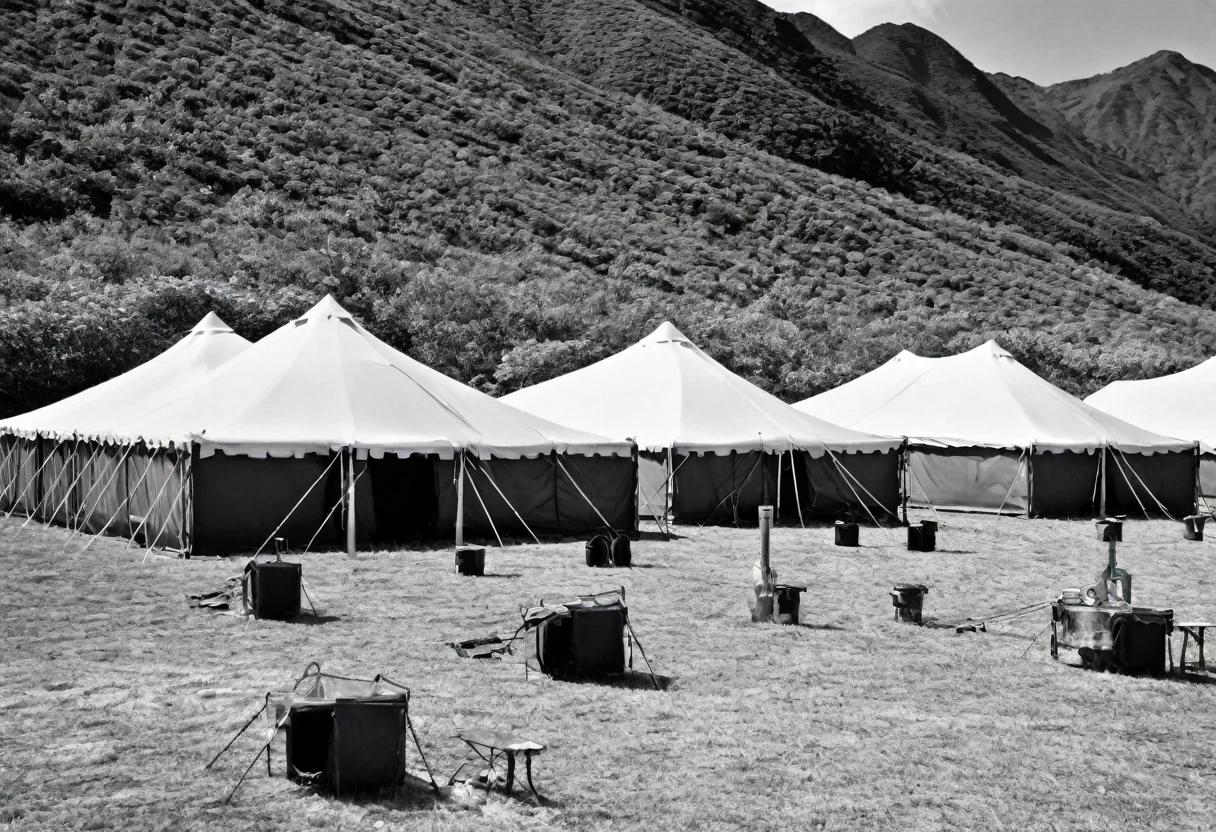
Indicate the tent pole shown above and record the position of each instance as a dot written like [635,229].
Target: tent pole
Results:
[903,479]
[1030,481]
[350,502]
[668,516]
[460,503]
[797,496]
[1198,485]
[1102,483]
[637,487]
[187,504]
[777,508]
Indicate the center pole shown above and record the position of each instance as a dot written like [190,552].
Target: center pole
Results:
[350,503]
[460,504]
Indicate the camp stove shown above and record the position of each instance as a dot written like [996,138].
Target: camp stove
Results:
[1100,623]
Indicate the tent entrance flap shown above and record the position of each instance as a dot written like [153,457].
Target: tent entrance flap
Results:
[652,486]
[970,479]
[404,498]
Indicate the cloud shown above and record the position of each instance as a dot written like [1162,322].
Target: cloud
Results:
[852,17]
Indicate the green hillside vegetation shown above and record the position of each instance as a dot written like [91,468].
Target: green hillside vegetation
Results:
[515,210]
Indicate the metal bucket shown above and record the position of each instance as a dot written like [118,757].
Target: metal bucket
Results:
[908,600]
[1193,529]
[788,599]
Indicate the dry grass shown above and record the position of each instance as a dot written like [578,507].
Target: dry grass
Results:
[114,694]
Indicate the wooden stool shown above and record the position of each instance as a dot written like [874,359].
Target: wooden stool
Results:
[1195,630]
[488,745]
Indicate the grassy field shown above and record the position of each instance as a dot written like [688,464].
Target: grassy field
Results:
[114,694]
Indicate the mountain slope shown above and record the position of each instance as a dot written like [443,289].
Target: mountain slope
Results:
[508,212]
[1158,114]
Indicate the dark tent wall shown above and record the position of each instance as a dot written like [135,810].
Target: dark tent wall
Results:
[238,501]
[722,489]
[731,488]
[871,486]
[1169,477]
[1064,484]
[543,493]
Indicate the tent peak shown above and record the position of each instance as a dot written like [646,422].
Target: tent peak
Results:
[665,333]
[991,349]
[326,307]
[211,322]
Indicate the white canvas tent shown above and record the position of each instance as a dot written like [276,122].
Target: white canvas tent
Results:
[58,468]
[320,416]
[986,433]
[1182,405]
[714,446]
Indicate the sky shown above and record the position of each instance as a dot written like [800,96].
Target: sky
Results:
[1046,41]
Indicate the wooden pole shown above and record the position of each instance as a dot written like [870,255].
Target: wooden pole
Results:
[668,517]
[777,508]
[350,502]
[1102,485]
[460,503]
[1030,482]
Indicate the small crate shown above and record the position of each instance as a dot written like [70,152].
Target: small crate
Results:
[471,560]
[274,590]
[847,534]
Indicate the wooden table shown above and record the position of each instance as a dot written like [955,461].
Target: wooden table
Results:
[489,745]
[1195,630]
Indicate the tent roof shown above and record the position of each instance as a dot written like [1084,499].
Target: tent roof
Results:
[1182,404]
[980,398]
[322,382]
[115,402]
[664,392]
